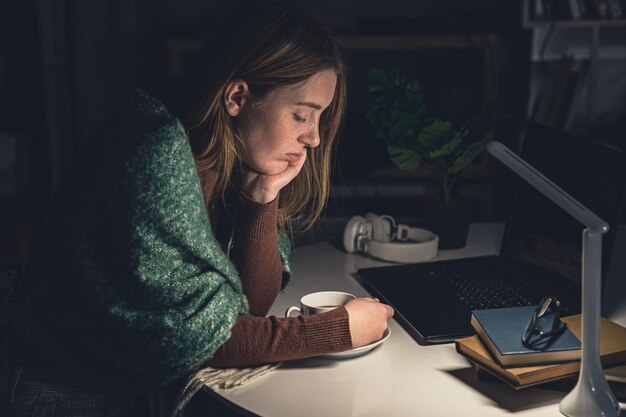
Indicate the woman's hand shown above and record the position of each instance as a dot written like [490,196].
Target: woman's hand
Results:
[264,188]
[367,319]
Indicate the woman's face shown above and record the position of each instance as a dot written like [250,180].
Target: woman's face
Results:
[277,129]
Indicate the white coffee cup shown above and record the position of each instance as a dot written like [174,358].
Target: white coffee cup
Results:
[320,302]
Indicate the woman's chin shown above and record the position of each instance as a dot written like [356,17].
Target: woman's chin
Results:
[273,169]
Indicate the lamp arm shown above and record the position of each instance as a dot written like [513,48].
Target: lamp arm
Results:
[592,395]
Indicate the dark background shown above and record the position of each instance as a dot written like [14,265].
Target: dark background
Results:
[61,60]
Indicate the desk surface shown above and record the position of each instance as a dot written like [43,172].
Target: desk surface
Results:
[400,377]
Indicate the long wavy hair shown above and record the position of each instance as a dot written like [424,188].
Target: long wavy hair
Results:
[278,47]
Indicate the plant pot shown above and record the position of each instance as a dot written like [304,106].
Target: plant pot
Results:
[450,223]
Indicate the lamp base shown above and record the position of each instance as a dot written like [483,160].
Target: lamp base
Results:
[591,396]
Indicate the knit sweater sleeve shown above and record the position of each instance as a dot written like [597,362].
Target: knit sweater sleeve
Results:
[127,286]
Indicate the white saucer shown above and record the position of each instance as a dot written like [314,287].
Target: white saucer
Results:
[353,353]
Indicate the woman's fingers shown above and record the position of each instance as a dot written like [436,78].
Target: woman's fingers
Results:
[390,310]
[367,320]
[264,188]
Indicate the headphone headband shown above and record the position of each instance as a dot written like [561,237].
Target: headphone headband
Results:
[381,238]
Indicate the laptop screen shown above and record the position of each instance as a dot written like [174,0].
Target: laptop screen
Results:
[542,233]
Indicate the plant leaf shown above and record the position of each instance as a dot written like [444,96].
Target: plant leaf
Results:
[404,159]
[466,158]
[449,147]
[397,112]
[376,80]
[436,134]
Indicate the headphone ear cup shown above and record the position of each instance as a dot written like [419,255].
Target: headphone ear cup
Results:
[381,227]
[350,233]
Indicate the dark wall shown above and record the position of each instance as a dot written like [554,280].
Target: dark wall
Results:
[62,60]
[24,182]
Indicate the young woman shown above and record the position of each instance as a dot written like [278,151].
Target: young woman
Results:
[168,246]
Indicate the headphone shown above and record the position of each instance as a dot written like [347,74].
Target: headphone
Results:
[380,237]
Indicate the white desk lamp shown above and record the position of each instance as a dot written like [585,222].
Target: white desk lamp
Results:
[591,396]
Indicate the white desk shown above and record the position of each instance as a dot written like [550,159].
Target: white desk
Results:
[400,377]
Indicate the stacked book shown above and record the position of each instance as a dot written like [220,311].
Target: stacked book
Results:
[497,350]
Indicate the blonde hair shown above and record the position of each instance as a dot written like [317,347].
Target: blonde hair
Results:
[279,47]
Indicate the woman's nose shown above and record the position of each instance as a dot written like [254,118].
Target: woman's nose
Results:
[312,137]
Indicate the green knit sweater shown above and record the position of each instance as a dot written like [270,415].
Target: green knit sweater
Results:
[127,287]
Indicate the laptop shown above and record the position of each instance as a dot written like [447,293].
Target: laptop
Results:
[540,253]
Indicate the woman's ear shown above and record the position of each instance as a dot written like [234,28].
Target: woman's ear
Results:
[236,97]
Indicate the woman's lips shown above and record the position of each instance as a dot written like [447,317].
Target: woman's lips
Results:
[294,157]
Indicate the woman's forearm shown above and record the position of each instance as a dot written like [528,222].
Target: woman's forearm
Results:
[260,340]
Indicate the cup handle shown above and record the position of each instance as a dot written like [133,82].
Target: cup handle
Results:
[291,310]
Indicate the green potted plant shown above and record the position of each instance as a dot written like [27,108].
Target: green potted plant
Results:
[415,139]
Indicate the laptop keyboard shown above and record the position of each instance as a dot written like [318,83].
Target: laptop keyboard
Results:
[478,288]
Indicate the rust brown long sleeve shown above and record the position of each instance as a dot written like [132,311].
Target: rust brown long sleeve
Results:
[255,254]
[260,340]
[257,339]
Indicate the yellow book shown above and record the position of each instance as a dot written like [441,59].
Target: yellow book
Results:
[612,352]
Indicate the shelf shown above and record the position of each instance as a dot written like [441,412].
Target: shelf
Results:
[581,24]
[442,41]
[585,23]
[596,40]
[580,53]
[481,170]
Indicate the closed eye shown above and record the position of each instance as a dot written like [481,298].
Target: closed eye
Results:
[298,118]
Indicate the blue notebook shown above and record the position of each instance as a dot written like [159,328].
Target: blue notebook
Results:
[501,329]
